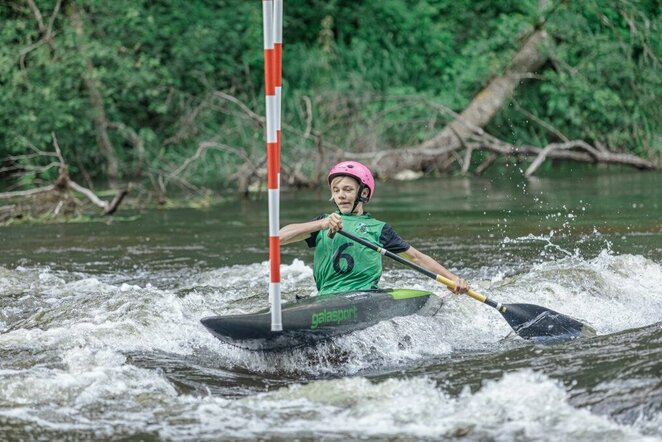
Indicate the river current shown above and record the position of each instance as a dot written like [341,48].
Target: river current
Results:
[100,336]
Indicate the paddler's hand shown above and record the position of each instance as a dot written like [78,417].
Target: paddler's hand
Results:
[332,222]
[461,286]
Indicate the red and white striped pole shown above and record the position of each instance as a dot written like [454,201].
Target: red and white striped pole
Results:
[273,161]
[278,68]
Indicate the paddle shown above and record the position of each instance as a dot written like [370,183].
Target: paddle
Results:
[529,321]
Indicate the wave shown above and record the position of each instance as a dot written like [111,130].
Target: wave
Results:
[57,310]
[85,355]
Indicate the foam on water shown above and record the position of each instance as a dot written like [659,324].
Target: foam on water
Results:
[590,290]
[99,392]
[78,331]
[523,405]
[60,315]
[610,293]
[89,390]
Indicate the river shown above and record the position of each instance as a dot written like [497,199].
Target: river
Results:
[100,336]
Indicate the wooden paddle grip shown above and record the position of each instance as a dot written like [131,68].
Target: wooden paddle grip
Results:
[451,285]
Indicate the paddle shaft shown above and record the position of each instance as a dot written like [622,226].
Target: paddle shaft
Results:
[439,278]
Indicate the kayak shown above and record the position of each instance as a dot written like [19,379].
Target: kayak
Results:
[316,318]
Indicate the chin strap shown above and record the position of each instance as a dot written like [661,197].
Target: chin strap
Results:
[361,198]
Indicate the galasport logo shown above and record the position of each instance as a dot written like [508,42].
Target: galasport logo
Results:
[334,316]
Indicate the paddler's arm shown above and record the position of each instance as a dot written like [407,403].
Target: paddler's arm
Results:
[300,231]
[431,264]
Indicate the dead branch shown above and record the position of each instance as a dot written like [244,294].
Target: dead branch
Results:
[132,136]
[203,147]
[561,151]
[227,97]
[37,15]
[487,162]
[184,184]
[472,137]
[29,168]
[47,33]
[24,193]
[186,127]
[64,182]
[468,150]
[309,116]
[248,173]
[466,161]
[471,120]
[488,101]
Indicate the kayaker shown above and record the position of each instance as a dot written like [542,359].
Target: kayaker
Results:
[340,265]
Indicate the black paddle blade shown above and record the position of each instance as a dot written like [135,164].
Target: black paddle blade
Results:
[534,322]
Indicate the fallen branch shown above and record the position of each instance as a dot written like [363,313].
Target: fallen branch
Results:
[561,151]
[63,182]
[24,193]
[434,152]
[108,207]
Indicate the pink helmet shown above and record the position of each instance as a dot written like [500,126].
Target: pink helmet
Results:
[359,172]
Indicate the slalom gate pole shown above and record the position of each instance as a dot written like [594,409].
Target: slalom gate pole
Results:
[273,162]
[278,69]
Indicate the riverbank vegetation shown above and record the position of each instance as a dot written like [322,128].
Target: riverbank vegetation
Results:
[168,96]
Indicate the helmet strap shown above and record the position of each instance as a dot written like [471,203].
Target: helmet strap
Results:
[359,197]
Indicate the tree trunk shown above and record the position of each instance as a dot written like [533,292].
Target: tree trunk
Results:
[96,99]
[492,98]
[478,113]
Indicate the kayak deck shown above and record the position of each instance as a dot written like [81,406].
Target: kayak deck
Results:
[320,317]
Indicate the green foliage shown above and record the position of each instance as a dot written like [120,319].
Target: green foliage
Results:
[361,74]
[603,82]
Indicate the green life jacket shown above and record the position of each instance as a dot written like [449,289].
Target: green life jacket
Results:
[342,265]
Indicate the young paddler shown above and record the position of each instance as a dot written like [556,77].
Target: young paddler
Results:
[340,265]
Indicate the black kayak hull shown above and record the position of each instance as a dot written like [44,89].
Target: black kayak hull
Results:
[312,319]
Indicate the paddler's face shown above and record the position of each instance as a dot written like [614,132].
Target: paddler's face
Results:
[344,191]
